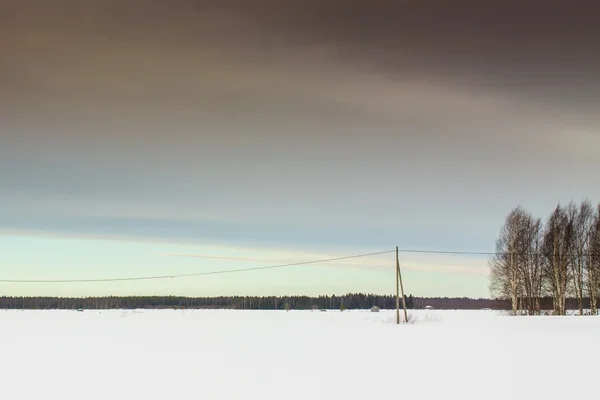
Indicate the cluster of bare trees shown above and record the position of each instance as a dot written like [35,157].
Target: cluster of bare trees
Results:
[558,258]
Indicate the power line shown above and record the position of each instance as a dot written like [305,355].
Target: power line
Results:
[474,253]
[229,271]
[493,253]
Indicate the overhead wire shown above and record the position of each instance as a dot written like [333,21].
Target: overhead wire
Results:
[488,253]
[230,271]
[174,276]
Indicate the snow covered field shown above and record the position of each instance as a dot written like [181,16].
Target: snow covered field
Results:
[209,354]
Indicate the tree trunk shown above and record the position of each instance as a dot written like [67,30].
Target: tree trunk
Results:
[580,300]
[593,299]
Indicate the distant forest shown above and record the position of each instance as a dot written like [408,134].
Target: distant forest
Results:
[348,301]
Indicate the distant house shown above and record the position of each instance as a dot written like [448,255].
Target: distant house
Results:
[374,309]
[429,307]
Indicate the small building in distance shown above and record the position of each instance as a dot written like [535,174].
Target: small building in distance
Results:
[374,309]
[429,307]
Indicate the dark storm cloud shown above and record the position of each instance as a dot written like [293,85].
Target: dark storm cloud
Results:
[543,50]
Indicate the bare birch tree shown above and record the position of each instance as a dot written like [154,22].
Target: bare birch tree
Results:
[557,249]
[583,217]
[593,263]
[530,262]
[505,273]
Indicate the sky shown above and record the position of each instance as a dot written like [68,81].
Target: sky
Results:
[141,138]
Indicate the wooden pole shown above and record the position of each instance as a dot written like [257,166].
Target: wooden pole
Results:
[397,288]
[401,286]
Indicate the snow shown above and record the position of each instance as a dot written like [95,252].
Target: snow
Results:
[219,354]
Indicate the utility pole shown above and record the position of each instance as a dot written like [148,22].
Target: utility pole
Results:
[399,280]
[397,288]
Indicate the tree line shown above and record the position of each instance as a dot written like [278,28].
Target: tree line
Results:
[558,258]
[348,301]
